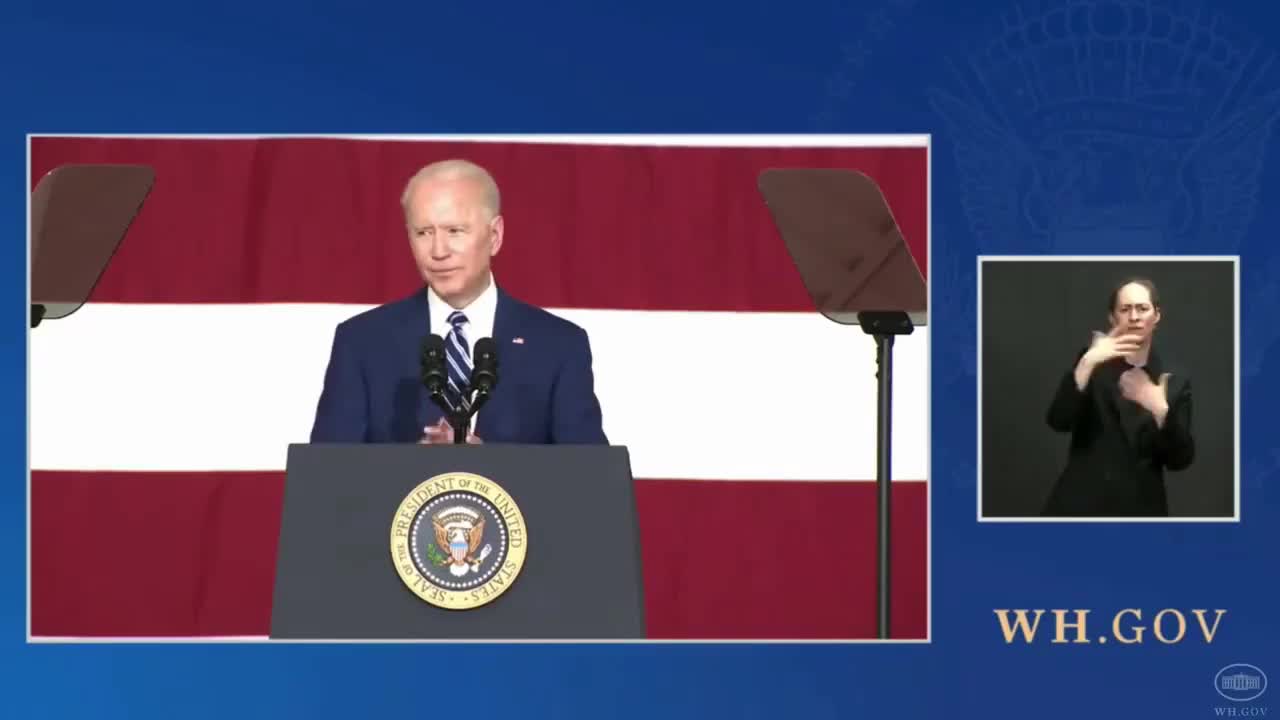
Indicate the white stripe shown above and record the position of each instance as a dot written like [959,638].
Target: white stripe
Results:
[707,140]
[461,352]
[228,387]
[456,369]
[462,401]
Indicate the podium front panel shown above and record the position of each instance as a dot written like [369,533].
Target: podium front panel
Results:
[581,576]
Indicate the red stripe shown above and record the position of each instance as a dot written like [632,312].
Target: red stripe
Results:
[149,554]
[782,560]
[188,554]
[587,226]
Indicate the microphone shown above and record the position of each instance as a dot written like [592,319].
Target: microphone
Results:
[484,376]
[433,372]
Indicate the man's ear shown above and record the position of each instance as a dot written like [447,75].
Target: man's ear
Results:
[497,227]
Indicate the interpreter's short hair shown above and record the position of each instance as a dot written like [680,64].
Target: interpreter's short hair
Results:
[1144,282]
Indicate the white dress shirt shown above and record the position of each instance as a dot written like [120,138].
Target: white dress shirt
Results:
[480,314]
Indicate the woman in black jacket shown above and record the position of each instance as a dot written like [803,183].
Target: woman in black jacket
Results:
[1129,415]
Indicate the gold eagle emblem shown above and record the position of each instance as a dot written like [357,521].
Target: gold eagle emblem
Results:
[459,533]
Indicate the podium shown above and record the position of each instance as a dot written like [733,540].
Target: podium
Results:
[367,533]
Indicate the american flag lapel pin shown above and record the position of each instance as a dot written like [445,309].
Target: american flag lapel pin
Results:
[517,340]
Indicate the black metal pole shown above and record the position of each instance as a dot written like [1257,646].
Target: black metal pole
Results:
[884,362]
[461,421]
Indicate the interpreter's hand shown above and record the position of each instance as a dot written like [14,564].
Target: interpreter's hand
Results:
[1137,387]
[442,434]
[1114,344]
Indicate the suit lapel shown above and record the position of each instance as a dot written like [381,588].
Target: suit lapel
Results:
[417,327]
[1131,415]
[504,322]
[1112,399]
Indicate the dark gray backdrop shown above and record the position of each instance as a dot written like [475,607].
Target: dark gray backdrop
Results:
[1036,315]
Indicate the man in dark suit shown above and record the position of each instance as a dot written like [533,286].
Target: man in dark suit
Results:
[1129,415]
[373,390]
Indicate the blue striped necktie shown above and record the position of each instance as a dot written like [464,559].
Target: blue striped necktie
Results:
[458,354]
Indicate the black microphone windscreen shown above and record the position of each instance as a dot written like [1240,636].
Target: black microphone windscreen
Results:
[434,346]
[484,376]
[486,351]
[433,362]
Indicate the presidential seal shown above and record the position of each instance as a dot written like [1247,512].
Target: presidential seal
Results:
[458,541]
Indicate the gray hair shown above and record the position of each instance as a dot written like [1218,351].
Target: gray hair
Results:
[458,170]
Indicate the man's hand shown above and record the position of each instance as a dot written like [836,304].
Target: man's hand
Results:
[1136,386]
[442,434]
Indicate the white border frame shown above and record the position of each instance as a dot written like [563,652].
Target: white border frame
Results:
[920,140]
[1235,265]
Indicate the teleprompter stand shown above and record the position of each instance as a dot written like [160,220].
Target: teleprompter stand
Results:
[79,215]
[858,270]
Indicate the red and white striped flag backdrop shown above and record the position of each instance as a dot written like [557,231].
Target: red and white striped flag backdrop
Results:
[161,411]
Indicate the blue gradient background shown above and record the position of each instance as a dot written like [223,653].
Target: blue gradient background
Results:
[750,66]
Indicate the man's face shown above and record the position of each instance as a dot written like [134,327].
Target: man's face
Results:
[1134,311]
[452,236]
